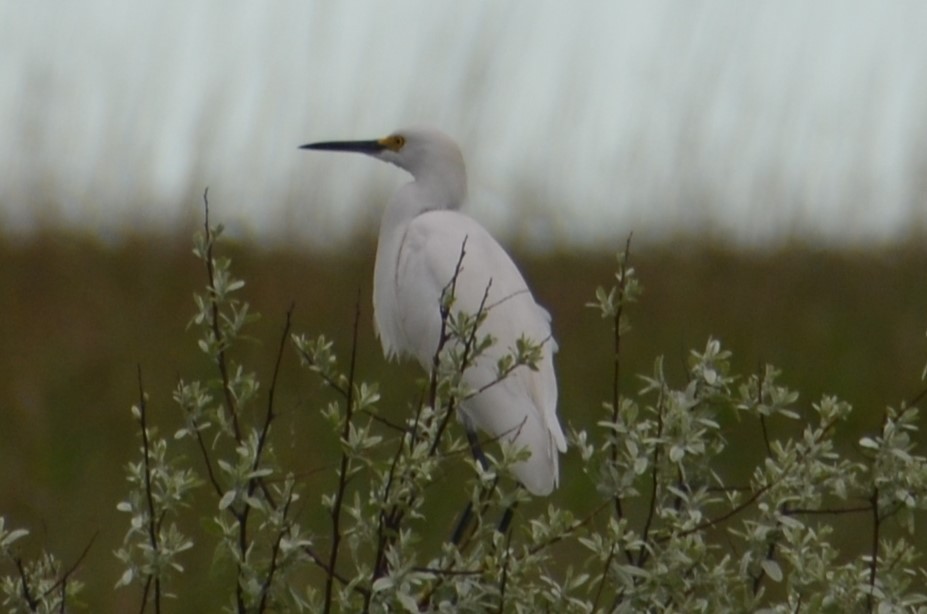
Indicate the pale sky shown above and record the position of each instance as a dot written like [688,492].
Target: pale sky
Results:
[580,121]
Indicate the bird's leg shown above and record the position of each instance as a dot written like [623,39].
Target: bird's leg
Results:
[506,522]
[464,522]
[476,449]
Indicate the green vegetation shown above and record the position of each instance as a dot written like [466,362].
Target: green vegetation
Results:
[79,320]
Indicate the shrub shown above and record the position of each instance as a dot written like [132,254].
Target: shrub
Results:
[671,529]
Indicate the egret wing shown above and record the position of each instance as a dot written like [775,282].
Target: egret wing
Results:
[520,407]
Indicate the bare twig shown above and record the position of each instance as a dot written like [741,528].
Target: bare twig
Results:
[275,551]
[465,363]
[604,576]
[713,522]
[770,556]
[917,398]
[579,524]
[448,572]
[654,478]
[344,581]
[255,482]
[70,570]
[230,404]
[448,291]
[616,355]
[24,580]
[761,379]
[505,571]
[874,547]
[149,498]
[204,452]
[343,470]
[326,379]
[468,344]
[827,511]
[270,415]
[34,601]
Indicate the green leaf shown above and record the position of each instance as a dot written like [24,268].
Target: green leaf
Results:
[772,569]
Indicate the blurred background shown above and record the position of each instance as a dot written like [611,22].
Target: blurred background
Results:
[749,123]
[770,159]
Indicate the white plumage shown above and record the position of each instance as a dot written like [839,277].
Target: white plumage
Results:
[421,237]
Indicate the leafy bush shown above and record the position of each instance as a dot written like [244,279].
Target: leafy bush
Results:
[670,529]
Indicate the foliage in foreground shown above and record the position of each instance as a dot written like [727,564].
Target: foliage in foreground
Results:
[669,530]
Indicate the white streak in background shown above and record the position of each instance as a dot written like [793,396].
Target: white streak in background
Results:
[750,122]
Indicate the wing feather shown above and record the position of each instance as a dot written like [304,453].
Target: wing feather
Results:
[523,407]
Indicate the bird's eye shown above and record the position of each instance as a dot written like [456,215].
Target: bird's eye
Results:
[394,142]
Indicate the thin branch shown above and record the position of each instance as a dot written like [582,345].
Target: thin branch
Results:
[327,380]
[275,550]
[442,426]
[391,519]
[467,349]
[507,298]
[230,405]
[204,452]
[616,412]
[835,511]
[770,556]
[918,397]
[462,539]
[570,530]
[383,519]
[70,570]
[894,509]
[62,605]
[320,562]
[761,379]
[504,375]
[448,572]
[874,547]
[383,421]
[876,526]
[146,453]
[445,308]
[145,592]
[771,548]
[505,571]
[654,478]
[604,577]
[343,470]
[255,482]
[713,522]
[452,402]
[616,356]
[484,499]
[728,489]
[34,601]
[270,415]
[24,580]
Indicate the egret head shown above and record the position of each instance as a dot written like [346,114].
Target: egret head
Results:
[427,153]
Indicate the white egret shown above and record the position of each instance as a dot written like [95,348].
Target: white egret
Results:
[421,237]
